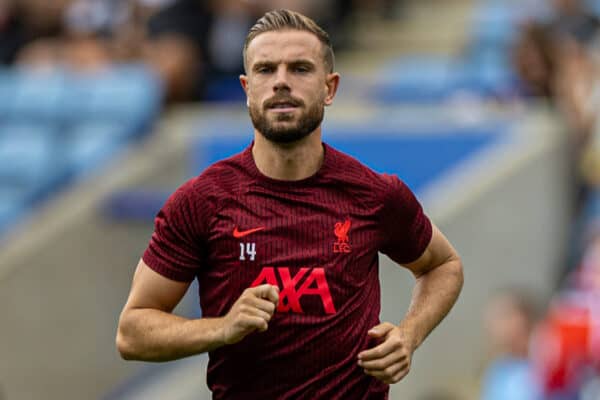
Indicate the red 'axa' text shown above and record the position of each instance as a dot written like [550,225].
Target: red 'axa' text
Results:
[291,291]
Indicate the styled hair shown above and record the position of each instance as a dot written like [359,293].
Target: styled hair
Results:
[279,20]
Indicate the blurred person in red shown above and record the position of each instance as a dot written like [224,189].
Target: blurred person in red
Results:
[284,240]
[567,343]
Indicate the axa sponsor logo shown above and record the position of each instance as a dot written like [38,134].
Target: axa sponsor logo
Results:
[305,282]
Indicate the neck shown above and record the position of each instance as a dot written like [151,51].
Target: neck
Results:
[288,162]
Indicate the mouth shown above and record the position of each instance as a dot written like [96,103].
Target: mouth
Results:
[282,106]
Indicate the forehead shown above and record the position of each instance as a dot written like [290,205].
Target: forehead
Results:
[284,46]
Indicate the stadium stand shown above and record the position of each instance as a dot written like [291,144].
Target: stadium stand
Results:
[58,127]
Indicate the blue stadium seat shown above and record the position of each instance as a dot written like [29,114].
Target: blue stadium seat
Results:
[37,95]
[130,94]
[7,85]
[31,161]
[58,125]
[89,144]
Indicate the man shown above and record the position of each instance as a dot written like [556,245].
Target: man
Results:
[284,241]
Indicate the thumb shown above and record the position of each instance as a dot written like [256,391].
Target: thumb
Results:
[381,330]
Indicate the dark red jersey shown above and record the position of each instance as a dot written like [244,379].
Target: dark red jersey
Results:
[318,240]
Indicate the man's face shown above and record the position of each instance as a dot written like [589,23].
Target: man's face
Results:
[287,84]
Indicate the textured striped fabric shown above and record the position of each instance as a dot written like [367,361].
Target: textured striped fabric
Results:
[318,240]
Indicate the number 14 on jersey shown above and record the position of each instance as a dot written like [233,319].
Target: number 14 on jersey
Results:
[247,250]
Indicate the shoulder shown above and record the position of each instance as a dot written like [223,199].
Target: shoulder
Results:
[218,181]
[223,176]
[356,176]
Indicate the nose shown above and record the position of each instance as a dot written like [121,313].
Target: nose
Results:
[281,79]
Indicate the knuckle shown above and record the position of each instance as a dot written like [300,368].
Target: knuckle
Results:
[396,340]
[243,308]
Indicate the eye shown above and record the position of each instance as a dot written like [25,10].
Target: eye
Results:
[264,70]
[301,69]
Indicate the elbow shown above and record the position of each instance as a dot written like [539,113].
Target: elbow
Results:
[458,271]
[125,347]
[125,340]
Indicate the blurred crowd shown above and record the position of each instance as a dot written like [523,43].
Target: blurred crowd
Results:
[190,43]
[194,46]
[554,352]
[557,57]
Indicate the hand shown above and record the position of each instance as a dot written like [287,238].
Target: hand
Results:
[251,312]
[390,360]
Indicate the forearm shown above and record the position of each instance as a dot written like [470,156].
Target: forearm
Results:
[434,294]
[152,335]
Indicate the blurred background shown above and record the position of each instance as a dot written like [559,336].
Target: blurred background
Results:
[488,109]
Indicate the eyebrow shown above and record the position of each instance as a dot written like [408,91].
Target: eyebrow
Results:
[272,64]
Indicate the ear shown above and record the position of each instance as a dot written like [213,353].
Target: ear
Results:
[332,82]
[244,83]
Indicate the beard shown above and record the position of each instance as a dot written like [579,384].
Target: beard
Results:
[281,130]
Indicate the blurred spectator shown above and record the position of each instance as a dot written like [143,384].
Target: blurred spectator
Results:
[546,43]
[193,45]
[22,21]
[565,353]
[534,59]
[574,20]
[13,34]
[509,320]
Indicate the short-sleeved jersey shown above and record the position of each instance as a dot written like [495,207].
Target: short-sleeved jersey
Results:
[318,240]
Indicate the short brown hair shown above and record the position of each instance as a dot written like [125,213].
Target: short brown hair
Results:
[279,20]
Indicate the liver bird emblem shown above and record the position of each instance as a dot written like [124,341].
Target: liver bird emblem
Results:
[341,232]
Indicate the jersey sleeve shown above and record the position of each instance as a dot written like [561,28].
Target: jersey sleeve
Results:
[177,247]
[406,229]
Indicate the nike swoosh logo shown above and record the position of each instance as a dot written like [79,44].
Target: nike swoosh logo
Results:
[239,234]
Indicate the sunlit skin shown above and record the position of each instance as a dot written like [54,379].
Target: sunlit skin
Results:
[287,67]
[287,86]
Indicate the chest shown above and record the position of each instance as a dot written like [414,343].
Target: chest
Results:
[293,230]
[318,251]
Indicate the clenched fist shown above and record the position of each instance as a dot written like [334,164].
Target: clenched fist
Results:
[251,312]
[390,360]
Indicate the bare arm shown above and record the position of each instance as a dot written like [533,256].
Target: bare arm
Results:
[148,331]
[439,280]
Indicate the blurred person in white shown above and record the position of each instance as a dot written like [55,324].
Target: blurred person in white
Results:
[509,319]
